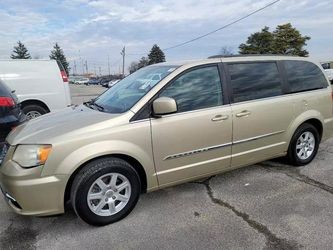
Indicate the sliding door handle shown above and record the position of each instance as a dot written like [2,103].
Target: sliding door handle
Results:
[220,118]
[243,113]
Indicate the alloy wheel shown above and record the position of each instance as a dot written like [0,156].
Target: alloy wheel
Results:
[305,145]
[109,194]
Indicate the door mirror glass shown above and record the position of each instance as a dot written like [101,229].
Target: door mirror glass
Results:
[164,106]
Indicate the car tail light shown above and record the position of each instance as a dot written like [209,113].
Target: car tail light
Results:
[6,102]
[64,76]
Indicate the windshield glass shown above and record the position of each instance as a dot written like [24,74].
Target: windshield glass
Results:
[127,92]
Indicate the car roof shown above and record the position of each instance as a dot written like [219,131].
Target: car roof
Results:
[235,58]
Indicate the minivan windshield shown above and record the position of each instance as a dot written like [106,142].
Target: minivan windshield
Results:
[127,92]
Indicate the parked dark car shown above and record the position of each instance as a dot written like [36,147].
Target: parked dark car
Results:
[105,82]
[10,111]
[94,81]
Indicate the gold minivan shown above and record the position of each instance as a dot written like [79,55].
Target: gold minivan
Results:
[197,119]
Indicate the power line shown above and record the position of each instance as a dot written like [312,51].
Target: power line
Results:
[223,27]
[216,30]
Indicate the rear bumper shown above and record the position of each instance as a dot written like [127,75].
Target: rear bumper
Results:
[28,193]
[7,123]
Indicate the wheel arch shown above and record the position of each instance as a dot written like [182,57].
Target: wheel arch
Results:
[317,124]
[312,117]
[131,160]
[35,102]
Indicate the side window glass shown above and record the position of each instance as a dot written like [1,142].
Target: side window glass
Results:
[304,76]
[250,81]
[197,89]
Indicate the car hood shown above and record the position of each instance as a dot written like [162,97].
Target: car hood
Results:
[56,126]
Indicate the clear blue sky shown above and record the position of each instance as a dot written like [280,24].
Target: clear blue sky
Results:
[94,30]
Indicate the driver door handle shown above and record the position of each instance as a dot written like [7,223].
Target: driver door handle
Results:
[220,118]
[243,113]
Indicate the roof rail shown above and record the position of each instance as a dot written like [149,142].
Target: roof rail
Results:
[247,55]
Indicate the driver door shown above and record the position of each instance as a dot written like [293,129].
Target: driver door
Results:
[195,141]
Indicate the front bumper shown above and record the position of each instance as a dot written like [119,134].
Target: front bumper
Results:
[28,193]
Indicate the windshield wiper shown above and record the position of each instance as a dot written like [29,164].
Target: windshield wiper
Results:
[91,104]
[88,104]
[100,108]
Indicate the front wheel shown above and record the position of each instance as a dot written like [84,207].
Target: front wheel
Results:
[105,191]
[304,145]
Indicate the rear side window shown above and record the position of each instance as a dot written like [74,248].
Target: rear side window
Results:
[304,76]
[196,89]
[4,90]
[251,81]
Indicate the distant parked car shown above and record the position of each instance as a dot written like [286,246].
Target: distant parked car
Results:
[73,79]
[82,81]
[105,82]
[10,112]
[113,82]
[40,85]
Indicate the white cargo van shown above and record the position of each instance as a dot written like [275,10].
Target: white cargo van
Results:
[40,85]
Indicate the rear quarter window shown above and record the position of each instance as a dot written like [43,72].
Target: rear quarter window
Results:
[303,76]
[4,90]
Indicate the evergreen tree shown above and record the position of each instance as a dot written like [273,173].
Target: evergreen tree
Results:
[20,52]
[58,54]
[289,41]
[285,40]
[258,43]
[156,55]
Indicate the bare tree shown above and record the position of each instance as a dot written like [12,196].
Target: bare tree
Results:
[226,51]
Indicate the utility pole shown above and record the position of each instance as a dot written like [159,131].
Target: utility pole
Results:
[123,53]
[74,68]
[86,67]
[95,69]
[81,64]
[109,65]
[100,71]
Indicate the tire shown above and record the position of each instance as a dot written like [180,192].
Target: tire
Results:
[33,111]
[295,156]
[93,211]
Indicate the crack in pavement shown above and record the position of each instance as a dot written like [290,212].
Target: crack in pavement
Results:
[296,175]
[272,241]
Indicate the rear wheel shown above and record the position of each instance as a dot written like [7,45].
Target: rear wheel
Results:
[32,111]
[105,191]
[304,145]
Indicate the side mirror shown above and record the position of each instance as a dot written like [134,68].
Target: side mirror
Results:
[164,106]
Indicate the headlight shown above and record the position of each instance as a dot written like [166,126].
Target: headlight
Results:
[31,155]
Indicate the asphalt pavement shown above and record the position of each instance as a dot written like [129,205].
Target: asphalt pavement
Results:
[83,93]
[269,205]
